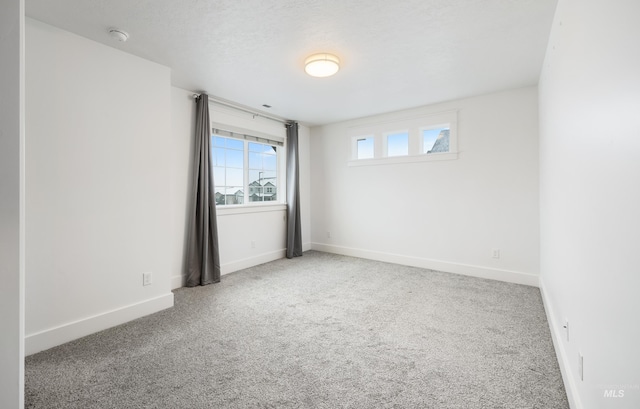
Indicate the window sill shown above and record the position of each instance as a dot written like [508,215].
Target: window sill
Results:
[404,159]
[229,210]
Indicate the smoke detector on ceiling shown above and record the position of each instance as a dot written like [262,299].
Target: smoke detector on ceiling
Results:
[118,34]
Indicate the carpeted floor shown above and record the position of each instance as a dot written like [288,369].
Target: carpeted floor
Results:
[318,331]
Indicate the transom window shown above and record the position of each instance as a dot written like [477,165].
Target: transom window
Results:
[435,140]
[398,144]
[244,171]
[365,147]
[420,138]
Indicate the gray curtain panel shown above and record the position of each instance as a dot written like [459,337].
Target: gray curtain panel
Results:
[203,257]
[294,235]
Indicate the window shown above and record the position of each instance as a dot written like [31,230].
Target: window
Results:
[244,171]
[364,148]
[435,140]
[423,138]
[398,144]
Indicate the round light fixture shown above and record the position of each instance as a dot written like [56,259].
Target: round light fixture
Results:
[322,65]
[118,34]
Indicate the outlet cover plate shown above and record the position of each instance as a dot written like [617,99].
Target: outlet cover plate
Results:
[581,366]
[147,278]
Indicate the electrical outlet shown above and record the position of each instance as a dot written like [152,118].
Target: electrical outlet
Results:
[147,278]
[496,253]
[328,234]
[580,366]
[253,244]
[566,328]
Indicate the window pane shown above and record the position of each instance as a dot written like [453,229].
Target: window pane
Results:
[235,159]
[365,148]
[235,177]
[219,176]
[255,190]
[269,191]
[270,162]
[240,196]
[219,195]
[435,140]
[218,141]
[229,195]
[255,176]
[256,193]
[218,157]
[235,144]
[234,195]
[260,147]
[398,144]
[255,160]
[268,176]
[261,177]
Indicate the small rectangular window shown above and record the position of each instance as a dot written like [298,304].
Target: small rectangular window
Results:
[398,144]
[435,140]
[364,148]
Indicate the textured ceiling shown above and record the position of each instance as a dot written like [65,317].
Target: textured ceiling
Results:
[395,54]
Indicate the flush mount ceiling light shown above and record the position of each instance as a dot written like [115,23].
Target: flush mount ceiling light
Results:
[322,65]
[118,34]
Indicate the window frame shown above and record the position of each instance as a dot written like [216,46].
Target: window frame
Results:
[246,136]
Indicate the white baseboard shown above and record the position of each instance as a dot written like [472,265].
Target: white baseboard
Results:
[449,267]
[52,337]
[178,281]
[561,353]
[252,261]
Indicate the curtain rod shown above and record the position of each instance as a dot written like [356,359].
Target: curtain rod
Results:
[247,136]
[255,114]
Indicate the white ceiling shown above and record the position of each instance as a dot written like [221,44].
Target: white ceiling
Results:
[395,54]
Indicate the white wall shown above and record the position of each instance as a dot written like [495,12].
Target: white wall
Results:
[590,197]
[12,204]
[304,152]
[182,132]
[445,215]
[238,227]
[99,210]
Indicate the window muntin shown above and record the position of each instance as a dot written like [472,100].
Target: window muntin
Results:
[244,171]
[365,148]
[398,143]
[436,140]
